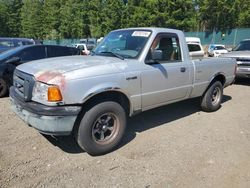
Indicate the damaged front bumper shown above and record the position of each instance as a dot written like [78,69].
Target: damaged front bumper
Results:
[52,120]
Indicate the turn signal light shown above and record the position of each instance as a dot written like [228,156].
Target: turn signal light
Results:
[54,94]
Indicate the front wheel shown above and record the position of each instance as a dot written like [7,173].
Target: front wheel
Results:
[212,98]
[101,128]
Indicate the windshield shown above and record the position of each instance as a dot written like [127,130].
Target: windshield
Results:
[125,43]
[243,46]
[219,48]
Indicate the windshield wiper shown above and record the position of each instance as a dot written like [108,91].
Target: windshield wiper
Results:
[114,54]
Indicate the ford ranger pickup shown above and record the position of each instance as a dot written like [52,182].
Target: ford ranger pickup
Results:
[130,71]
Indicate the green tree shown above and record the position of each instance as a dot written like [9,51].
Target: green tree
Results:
[32,19]
[243,7]
[181,14]
[218,14]
[3,19]
[112,14]
[14,19]
[74,22]
[96,17]
[10,17]
[52,18]
[161,13]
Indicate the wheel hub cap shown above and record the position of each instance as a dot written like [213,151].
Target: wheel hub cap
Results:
[104,128]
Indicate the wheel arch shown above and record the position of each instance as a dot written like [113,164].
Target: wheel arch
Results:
[220,76]
[112,94]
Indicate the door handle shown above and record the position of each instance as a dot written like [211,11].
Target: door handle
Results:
[183,69]
[131,78]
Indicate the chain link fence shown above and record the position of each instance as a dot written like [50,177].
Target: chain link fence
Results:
[229,38]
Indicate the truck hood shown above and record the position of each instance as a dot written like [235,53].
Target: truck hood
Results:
[51,69]
[237,54]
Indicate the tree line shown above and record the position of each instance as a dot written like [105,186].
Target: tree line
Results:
[57,19]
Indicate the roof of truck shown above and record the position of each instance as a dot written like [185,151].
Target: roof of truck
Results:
[154,29]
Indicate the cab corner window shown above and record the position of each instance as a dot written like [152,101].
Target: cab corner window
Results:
[166,47]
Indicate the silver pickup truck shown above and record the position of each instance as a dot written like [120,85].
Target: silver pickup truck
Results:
[130,71]
[242,55]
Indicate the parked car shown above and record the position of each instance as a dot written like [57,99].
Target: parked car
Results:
[194,46]
[242,55]
[215,50]
[83,48]
[11,58]
[8,43]
[193,40]
[91,44]
[130,71]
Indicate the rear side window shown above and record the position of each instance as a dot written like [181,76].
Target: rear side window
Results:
[194,47]
[33,53]
[56,51]
[6,43]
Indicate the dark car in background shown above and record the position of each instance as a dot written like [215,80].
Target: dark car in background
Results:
[14,57]
[8,43]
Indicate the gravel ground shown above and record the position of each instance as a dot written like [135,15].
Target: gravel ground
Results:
[173,146]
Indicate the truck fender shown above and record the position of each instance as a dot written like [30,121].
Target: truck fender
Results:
[105,88]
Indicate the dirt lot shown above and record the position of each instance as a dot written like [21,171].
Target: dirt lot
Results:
[174,146]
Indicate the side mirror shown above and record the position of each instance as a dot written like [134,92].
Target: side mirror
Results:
[229,49]
[156,56]
[14,60]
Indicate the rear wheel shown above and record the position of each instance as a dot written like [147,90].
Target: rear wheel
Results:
[3,88]
[211,100]
[101,128]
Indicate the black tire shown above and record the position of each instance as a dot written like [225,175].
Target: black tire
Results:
[101,128]
[3,88]
[211,100]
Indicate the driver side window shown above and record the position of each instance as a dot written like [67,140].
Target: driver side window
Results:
[169,46]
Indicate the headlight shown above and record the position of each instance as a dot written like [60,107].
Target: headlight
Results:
[46,93]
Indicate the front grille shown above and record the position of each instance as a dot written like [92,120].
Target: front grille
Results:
[23,84]
[243,61]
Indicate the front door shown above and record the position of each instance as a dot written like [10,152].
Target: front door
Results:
[168,79]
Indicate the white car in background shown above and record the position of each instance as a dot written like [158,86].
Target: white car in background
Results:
[194,46]
[83,48]
[215,50]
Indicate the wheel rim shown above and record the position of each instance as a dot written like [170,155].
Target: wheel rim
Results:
[105,128]
[216,95]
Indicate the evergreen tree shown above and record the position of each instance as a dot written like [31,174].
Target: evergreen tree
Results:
[32,19]
[55,19]
[112,14]
[96,17]
[3,20]
[243,7]
[218,14]
[52,18]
